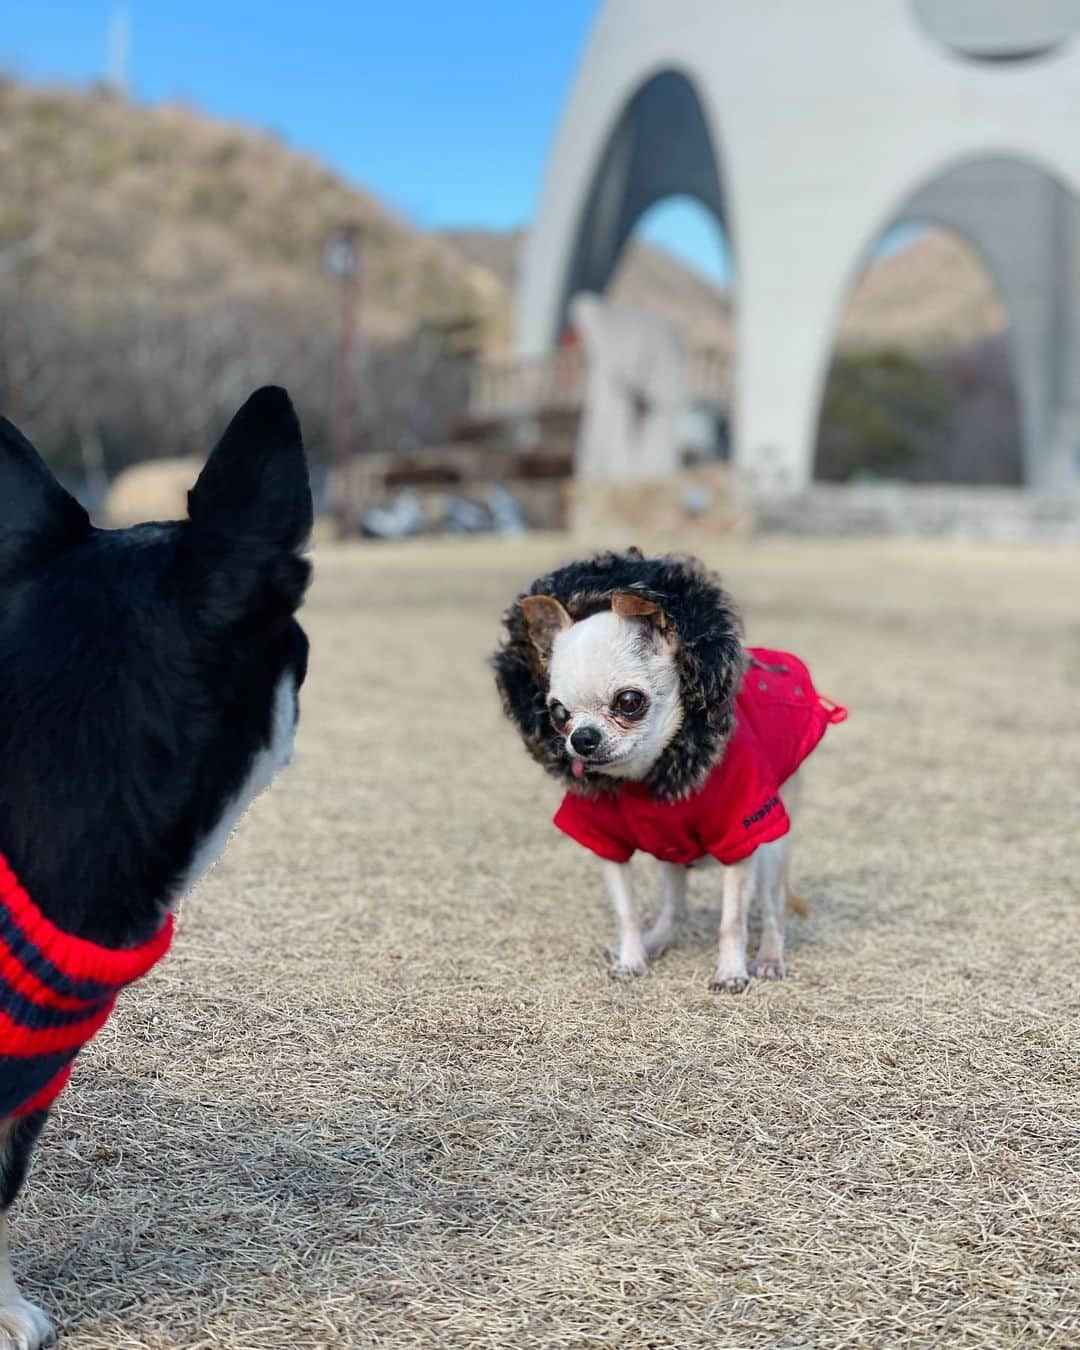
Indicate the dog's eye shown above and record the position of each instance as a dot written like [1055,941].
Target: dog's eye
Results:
[629,703]
[558,714]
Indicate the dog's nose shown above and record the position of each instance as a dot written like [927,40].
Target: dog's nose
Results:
[585,740]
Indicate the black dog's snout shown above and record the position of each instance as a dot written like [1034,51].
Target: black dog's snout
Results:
[585,740]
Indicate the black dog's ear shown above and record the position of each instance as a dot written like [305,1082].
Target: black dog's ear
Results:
[37,517]
[254,489]
[251,513]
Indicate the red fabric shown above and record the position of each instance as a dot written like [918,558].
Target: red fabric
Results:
[56,992]
[779,719]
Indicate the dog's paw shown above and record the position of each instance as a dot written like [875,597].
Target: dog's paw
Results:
[624,971]
[23,1326]
[768,968]
[659,939]
[729,984]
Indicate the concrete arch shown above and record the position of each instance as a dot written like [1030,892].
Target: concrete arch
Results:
[827,116]
[660,147]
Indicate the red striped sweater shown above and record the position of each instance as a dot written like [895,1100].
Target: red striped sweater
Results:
[56,992]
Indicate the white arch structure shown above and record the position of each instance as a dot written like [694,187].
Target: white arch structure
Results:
[809,129]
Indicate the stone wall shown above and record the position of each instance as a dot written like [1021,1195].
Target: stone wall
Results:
[944,511]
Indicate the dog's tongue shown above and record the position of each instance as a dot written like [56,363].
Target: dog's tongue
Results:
[577,768]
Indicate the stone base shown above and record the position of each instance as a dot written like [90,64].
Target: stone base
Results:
[699,499]
[924,510]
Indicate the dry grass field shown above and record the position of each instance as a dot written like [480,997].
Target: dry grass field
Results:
[383,1093]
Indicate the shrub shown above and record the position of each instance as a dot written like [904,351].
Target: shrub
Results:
[883,414]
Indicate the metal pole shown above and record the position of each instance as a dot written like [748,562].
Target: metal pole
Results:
[345,262]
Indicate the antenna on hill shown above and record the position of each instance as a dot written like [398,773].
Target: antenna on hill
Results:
[118,48]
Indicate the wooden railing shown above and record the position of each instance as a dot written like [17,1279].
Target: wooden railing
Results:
[507,389]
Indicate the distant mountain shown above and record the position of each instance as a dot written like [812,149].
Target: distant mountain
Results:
[929,296]
[172,203]
[497,251]
[647,278]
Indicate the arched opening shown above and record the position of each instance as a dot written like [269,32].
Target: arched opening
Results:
[677,265]
[953,358]
[679,231]
[657,346]
[920,388]
[661,147]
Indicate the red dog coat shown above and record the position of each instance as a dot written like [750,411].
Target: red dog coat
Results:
[779,719]
[56,992]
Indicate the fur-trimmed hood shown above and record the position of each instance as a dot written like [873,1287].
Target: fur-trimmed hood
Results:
[709,656]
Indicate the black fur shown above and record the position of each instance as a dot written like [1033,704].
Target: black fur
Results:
[15,1154]
[137,669]
[709,657]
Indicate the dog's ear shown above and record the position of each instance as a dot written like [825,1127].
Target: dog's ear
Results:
[545,618]
[37,517]
[629,605]
[251,511]
[254,488]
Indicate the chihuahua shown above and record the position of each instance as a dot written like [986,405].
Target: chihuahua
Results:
[628,678]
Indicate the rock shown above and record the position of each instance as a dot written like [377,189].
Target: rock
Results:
[154,490]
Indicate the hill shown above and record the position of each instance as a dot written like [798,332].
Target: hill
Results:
[927,297]
[647,278]
[156,265]
[169,199]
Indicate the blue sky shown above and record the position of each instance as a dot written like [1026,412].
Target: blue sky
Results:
[445,110]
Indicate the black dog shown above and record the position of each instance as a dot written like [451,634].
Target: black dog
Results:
[148,691]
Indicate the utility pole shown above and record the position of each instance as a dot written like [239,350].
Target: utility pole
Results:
[118,53]
[343,259]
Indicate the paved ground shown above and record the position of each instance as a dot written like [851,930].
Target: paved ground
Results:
[384,1094]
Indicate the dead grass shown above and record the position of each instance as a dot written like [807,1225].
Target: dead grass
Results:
[383,1094]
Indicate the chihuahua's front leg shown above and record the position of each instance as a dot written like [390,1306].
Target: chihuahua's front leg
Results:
[631,960]
[730,976]
[672,917]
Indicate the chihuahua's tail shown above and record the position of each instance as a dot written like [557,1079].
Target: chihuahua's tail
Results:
[797,904]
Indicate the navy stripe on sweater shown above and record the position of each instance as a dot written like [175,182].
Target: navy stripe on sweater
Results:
[21,1079]
[30,956]
[37,1017]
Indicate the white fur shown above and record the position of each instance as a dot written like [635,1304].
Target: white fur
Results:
[264,767]
[23,1326]
[590,663]
[673,910]
[631,959]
